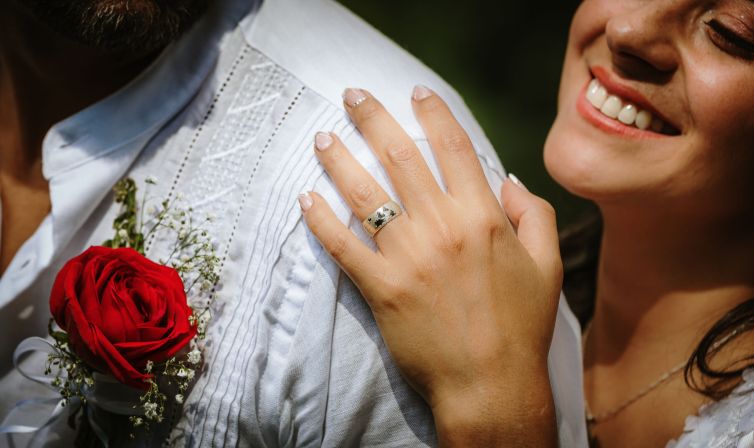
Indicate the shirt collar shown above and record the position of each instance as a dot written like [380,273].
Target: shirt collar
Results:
[85,154]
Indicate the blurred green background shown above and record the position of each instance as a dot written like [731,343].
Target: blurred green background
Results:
[504,58]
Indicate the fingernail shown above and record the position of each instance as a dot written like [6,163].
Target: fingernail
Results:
[516,181]
[305,201]
[354,97]
[421,92]
[322,141]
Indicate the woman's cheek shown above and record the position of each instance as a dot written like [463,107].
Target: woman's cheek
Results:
[721,103]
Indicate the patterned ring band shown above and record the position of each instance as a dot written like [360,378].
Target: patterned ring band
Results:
[381,217]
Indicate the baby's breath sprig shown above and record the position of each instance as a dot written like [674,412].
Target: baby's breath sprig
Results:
[193,256]
[73,377]
[193,253]
[126,225]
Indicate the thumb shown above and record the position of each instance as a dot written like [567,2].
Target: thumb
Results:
[534,219]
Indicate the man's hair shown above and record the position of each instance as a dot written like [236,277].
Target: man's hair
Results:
[134,25]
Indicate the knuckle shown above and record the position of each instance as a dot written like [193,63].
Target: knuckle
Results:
[337,247]
[393,294]
[455,142]
[399,154]
[425,270]
[496,229]
[546,208]
[363,195]
[449,240]
[491,224]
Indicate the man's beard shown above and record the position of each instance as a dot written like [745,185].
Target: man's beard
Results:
[138,26]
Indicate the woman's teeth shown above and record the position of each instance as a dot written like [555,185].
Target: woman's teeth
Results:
[616,108]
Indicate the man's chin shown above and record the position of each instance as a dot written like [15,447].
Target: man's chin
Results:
[138,26]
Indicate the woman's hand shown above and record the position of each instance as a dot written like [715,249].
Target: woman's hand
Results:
[465,296]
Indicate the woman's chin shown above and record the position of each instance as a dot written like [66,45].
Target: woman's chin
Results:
[584,173]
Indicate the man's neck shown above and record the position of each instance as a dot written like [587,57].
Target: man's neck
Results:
[45,78]
[663,282]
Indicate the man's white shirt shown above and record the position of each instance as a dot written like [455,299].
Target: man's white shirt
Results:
[225,118]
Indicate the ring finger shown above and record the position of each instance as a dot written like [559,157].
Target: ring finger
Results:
[360,190]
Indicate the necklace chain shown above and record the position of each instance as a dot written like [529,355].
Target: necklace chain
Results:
[593,419]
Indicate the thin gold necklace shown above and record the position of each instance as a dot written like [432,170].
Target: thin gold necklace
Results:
[593,419]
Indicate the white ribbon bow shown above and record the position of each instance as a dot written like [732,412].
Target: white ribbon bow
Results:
[115,406]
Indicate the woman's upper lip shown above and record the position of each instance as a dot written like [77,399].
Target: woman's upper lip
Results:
[628,93]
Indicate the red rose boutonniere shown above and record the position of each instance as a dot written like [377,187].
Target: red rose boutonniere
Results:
[121,311]
[120,317]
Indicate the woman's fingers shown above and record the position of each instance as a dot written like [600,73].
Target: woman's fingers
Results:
[349,252]
[360,190]
[408,171]
[453,149]
[537,227]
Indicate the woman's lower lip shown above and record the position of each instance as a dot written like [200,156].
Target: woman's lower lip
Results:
[608,125]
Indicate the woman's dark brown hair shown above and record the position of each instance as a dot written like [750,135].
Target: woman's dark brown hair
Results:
[580,247]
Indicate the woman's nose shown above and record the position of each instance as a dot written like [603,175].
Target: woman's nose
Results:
[641,40]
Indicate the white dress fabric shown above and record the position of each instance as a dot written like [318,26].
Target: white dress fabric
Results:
[728,423]
[225,118]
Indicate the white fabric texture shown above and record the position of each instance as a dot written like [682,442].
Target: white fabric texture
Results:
[728,423]
[225,119]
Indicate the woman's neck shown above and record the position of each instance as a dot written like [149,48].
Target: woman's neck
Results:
[664,282]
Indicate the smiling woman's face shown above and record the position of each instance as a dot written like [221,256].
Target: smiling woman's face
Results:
[681,74]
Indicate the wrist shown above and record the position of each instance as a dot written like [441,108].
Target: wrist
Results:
[514,409]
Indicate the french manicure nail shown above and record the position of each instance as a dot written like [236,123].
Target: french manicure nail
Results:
[322,141]
[305,201]
[516,181]
[354,97]
[421,92]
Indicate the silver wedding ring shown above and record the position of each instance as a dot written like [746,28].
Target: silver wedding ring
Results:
[381,217]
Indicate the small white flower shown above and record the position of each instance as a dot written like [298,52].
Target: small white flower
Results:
[182,373]
[179,399]
[151,180]
[138,421]
[190,374]
[150,410]
[194,356]
[89,381]
[149,366]
[122,233]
